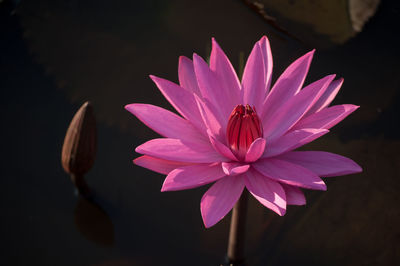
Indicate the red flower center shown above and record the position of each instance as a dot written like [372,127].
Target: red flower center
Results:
[243,128]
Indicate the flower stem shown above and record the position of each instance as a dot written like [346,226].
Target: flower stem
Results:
[237,231]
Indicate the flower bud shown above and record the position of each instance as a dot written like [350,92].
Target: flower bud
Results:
[243,128]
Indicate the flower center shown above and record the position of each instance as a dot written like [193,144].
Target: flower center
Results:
[243,128]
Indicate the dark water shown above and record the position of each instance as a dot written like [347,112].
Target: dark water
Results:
[57,54]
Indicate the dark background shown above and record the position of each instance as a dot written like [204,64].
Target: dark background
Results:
[55,55]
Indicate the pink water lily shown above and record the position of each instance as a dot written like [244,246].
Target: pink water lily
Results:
[242,134]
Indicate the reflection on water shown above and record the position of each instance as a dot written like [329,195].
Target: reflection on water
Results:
[58,54]
[93,222]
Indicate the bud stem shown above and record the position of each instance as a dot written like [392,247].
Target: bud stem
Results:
[81,185]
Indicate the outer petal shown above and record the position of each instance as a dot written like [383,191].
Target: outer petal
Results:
[293,140]
[267,58]
[233,168]
[158,165]
[187,77]
[268,192]
[182,100]
[287,115]
[182,151]
[253,81]
[328,96]
[192,176]
[211,89]
[327,117]
[164,122]
[289,173]
[288,84]
[294,195]
[322,163]
[256,149]
[220,199]
[223,69]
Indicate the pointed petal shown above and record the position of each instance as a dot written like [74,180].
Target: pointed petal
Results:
[181,151]
[255,150]
[211,89]
[327,117]
[220,199]
[187,77]
[289,173]
[253,81]
[293,140]
[288,114]
[192,176]
[268,63]
[288,84]
[226,74]
[268,192]
[326,98]
[158,165]
[210,120]
[182,100]
[322,163]
[221,148]
[294,195]
[164,122]
[233,168]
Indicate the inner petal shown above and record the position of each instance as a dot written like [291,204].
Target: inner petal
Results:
[243,128]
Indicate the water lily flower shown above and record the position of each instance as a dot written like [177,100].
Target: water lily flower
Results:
[242,134]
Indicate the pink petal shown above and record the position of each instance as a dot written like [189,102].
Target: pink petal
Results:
[327,117]
[288,84]
[268,192]
[192,176]
[293,140]
[212,90]
[294,195]
[211,121]
[326,98]
[181,151]
[292,111]
[253,81]
[289,173]
[164,122]
[220,199]
[322,163]
[221,148]
[255,150]
[187,77]
[158,165]
[182,100]
[233,168]
[224,71]
[267,58]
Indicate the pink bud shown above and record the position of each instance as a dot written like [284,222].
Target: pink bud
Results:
[243,128]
